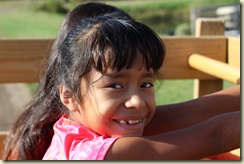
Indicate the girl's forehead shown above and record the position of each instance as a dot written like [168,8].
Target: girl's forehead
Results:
[137,67]
[136,59]
[95,76]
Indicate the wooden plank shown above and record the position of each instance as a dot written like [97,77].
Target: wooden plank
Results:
[21,60]
[178,51]
[3,135]
[234,52]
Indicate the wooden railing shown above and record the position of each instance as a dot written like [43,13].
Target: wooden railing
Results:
[21,60]
[219,56]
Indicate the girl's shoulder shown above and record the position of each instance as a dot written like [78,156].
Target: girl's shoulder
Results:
[72,141]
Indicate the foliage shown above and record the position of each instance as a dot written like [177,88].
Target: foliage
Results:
[54,6]
[183,29]
[165,15]
[162,15]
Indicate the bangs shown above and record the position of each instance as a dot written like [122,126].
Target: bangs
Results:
[107,41]
[120,44]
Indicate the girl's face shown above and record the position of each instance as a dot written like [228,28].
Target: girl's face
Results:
[117,103]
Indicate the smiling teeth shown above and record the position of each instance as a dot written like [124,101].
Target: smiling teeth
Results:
[122,122]
[130,121]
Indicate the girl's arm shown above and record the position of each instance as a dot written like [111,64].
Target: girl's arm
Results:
[213,136]
[181,115]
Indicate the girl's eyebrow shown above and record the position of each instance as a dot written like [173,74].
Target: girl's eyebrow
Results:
[116,75]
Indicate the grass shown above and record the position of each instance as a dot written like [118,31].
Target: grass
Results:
[168,4]
[173,91]
[161,15]
[30,24]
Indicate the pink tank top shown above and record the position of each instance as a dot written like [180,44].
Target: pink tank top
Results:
[72,141]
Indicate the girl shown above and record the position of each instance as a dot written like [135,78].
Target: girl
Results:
[34,134]
[106,83]
[172,116]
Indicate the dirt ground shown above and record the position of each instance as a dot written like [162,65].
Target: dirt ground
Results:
[13,97]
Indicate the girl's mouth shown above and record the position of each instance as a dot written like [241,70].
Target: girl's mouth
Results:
[130,122]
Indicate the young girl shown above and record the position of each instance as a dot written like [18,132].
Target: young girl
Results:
[168,117]
[107,75]
[36,123]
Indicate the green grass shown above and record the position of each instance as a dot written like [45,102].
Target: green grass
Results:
[173,91]
[29,24]
[156,4]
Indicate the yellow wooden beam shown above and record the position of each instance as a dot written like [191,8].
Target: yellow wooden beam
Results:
[215,68]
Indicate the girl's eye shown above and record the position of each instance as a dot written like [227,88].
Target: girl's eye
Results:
[147,85]
[115,86]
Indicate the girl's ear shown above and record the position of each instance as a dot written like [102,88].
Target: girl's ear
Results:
[68,99]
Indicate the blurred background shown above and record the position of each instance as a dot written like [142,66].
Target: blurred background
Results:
[21,19]
[42,18]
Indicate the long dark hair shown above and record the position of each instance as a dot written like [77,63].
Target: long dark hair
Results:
[83,48]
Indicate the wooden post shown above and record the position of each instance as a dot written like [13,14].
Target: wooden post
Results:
[3,135]
[207,27]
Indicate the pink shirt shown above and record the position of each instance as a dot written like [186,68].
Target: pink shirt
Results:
[72,141]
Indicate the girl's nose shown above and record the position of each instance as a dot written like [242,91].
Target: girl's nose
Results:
[135,101]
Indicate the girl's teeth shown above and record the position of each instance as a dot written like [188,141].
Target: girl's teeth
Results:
[122,121]
[133,121]
[130,121]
